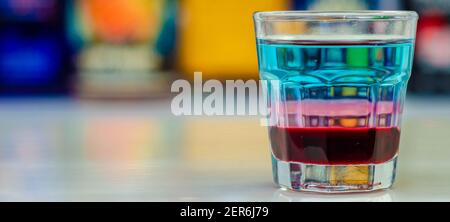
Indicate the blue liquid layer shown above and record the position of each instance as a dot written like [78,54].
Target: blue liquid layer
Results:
[338,63]
[359,72]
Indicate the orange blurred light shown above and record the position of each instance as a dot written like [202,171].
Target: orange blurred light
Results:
[122,20]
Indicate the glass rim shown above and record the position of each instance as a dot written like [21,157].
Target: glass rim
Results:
[323,16]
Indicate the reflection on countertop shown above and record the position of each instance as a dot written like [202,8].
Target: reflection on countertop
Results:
[292,196]
[69,150]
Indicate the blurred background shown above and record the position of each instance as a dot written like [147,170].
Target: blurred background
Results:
[134,49]
[85,99]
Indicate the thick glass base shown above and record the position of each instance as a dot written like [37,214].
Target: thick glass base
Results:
[334,178]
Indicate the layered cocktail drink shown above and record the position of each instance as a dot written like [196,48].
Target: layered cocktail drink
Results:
[336,84]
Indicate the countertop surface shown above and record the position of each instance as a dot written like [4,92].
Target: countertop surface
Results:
[70,150]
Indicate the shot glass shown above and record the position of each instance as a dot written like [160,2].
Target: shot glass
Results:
[336,85]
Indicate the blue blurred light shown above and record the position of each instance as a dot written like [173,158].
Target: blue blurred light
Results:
[28,61]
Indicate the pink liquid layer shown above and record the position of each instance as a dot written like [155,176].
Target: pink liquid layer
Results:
[338,145]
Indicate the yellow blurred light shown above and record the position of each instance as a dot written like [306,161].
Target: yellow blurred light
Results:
[349,91]
[217,37]
[349,122]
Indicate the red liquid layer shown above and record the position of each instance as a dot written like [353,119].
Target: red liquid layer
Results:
[322,145]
